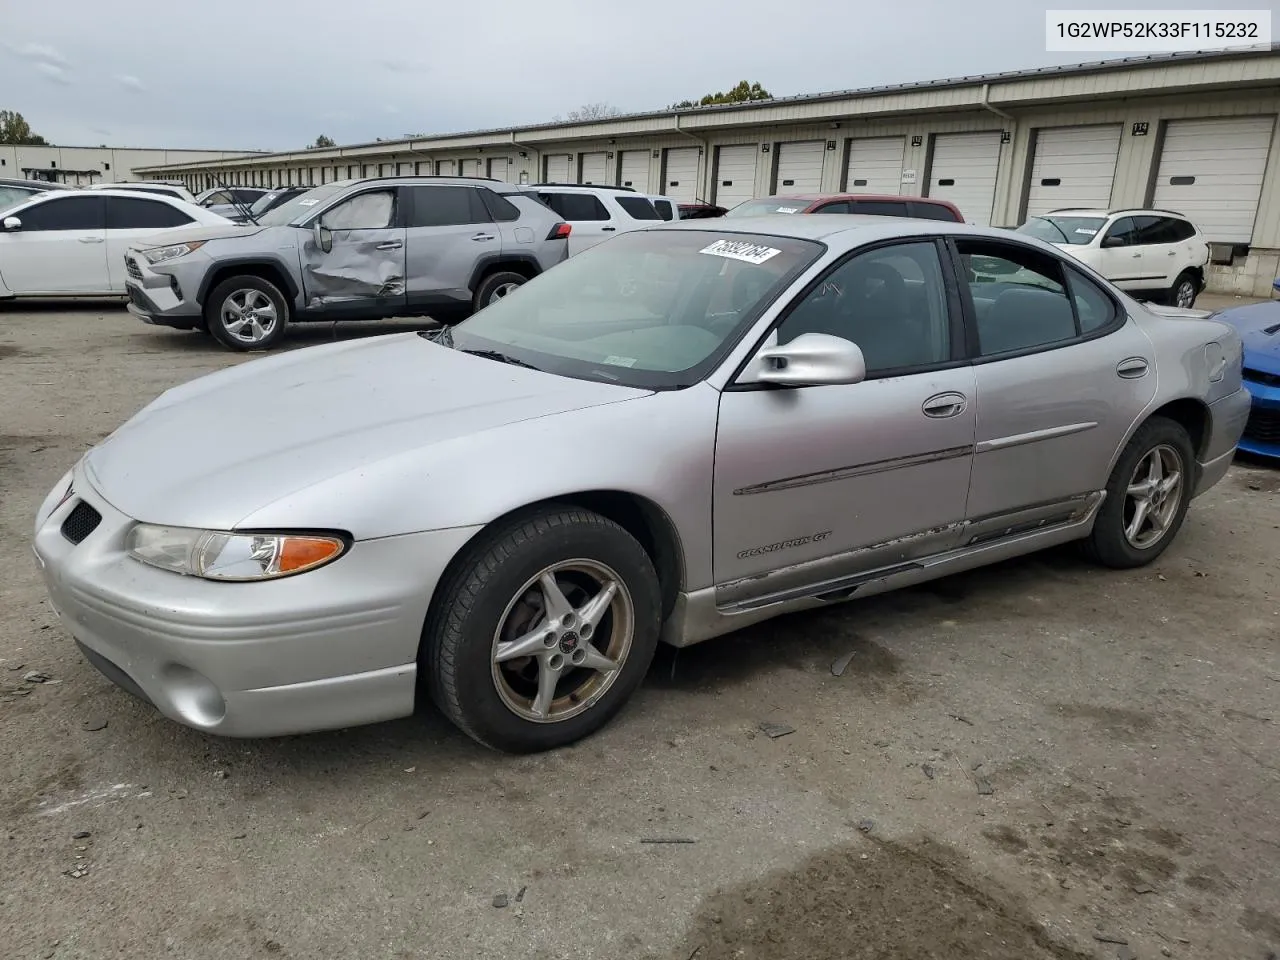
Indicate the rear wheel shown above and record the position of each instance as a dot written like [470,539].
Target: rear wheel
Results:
[1147,496]
[1184,290]
[246,313]
[543,631]
[496,286]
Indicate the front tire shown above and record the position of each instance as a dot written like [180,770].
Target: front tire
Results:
[542,630]
[246,313]
[1184,291]
[1147,497]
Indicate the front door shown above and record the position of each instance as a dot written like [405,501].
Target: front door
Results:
[363,271]
[1062,374]
[60,248]
[1122,261]
[818,486]
[450,234]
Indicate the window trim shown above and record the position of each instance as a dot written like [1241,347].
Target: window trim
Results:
[1120,316]
[956,328]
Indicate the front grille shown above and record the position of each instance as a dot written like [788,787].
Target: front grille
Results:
[1263,425]
[1265,379]
[131,265]
[80,522]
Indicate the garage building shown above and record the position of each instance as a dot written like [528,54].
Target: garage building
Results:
[1193,132]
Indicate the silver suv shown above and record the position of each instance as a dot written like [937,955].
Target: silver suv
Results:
[351,250]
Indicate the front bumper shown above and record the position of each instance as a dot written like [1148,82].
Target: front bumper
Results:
[1262,431]
[165,299]
[335,647]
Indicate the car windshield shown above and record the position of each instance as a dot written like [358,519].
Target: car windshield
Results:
[650,308]
[1073,230]
[264,202]
[296,208]
[759,208]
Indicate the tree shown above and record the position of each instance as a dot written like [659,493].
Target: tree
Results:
[15,129]
[588,112]
[323,141]
[742,93]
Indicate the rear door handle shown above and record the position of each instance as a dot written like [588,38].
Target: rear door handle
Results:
[390,245]
[484,236]
[945,405]
[608,229]
[90,239]
[1132,369]
[1173,253]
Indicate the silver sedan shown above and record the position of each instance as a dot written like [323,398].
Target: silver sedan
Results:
[680,432]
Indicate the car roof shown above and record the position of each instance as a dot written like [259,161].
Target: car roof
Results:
[856,227]
[815,197]
[35,184]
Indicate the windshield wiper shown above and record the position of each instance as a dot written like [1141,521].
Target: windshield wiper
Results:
[502,357]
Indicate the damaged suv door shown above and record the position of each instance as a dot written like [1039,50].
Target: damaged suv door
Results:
[354,260]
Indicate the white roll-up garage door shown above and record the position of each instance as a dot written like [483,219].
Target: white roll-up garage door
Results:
[499,167]
[595,169]
[735,174]
[446,168]
[964,172]
[469,168]
[1211,171]
[1073,167]
[558,168]
[681,180]
[875,165]
[635,170]
[800,166]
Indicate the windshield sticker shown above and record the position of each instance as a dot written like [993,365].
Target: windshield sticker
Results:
[307,203]
[787,210]
[1086,231]
[741,250]
[620,361]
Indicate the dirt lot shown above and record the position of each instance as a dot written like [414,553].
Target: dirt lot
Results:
[1038,760]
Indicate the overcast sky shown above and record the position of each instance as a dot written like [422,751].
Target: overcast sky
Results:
[203,75]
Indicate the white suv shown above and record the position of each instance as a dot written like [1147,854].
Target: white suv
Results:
[1150,254]
[597,213]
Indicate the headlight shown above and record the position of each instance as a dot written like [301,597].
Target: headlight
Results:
[172,252]
[218,555]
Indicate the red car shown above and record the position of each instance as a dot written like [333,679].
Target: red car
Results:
[923,208]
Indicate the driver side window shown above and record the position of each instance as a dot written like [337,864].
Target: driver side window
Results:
[891,302]
[1123,233]
[367,211]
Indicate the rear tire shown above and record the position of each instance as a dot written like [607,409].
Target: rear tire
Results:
[578,665]
[1185,288]
[1155,475]
[246,313]
[494,287]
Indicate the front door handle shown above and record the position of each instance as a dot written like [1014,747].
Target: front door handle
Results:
[608,229]
[1173,253]
[90,239]
[390,245]
[945,405]
[1132,369]
[484,236]
[1138,254]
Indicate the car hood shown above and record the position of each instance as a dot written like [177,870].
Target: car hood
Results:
[1259,327]
[219,231]
[213,451]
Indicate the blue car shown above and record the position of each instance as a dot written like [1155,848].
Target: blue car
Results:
[1259,328]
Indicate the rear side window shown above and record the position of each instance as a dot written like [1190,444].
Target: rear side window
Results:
[575,206]
[664,209]
[500,208]
[65,213]
[638,208]
[447,207]
[933,211]
[879,208]
[130,213]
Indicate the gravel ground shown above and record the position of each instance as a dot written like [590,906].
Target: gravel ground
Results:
[1036,760]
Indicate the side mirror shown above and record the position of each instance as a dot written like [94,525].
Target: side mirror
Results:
[12,223]
[1112,241]
[323,236]
[810,360]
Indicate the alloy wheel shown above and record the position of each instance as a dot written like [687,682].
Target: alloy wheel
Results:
[501,290]
[249,315]
[1153,497]
[1186,294]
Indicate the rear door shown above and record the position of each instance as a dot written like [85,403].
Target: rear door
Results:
[130,220]
[363,271]
[60,249]
[450,232]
